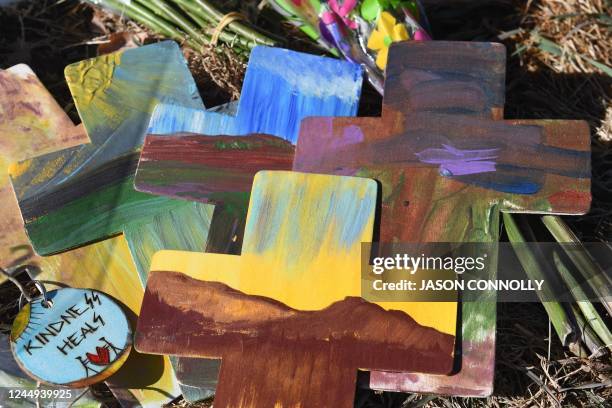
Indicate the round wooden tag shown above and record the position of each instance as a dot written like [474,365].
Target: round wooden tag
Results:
[78,338]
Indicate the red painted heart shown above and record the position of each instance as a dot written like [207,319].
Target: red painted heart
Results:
[101,358]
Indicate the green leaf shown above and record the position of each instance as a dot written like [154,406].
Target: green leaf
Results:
[585,265]
[587,309]
[528,259]
[370,9]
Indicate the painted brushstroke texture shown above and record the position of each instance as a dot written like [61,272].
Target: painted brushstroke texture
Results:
[273,103]
[274,100]
[299,228]
[183,228]
[442,106]
[120,272]
[31,124]
[92,184]
[261,341]
[458,162]
[281,87]
[214,169]
[469,80]
[303,237]
[85,194]
[131,207]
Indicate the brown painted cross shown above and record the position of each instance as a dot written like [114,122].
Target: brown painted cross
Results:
[448,165]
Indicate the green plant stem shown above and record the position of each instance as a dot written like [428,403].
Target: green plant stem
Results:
[186,6]
[194,10]
[205,21]
[162,18]
[592,317]
[589,270]
[237,27]
[588,336]
[206,27]
[163,10]
[149,19]
[559,318]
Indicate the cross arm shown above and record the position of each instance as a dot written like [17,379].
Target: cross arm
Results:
[566,145]
[83,194]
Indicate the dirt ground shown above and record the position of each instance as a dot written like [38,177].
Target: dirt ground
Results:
[532,367]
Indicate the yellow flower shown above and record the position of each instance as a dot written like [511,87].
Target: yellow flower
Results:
[388,31]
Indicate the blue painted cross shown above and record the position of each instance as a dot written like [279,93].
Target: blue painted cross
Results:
[281,88]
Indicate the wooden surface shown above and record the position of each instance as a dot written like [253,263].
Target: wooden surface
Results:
[295,286]
[102,173]
[447,167]
[84,194]
[212,169]
[83,338]
[31,124]
[281,87]
[179,161]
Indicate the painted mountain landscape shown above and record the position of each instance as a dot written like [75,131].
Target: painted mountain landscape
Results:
[282,342]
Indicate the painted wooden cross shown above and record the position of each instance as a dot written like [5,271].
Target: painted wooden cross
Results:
[280,88]
[212,157]
[280,345]
[31,124]
[191,162]
[448,165]
[85,193]
[92,184]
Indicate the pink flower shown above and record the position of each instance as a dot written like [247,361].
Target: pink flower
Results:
[343,10]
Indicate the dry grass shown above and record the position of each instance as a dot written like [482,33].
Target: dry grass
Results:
[221,65]
[533,369]
[580,28]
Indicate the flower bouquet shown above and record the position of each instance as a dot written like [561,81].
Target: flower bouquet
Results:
[360,31]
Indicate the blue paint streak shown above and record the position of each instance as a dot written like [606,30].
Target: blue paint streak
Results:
[517,187]
[281,88]
[278,203]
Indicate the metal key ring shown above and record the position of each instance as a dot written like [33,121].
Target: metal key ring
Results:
[43,291]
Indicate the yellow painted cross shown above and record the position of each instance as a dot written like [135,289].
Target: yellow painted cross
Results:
[286,317]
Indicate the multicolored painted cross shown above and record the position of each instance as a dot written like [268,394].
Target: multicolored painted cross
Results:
[85,194]
[212,157]
[286,316]
[448,165]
